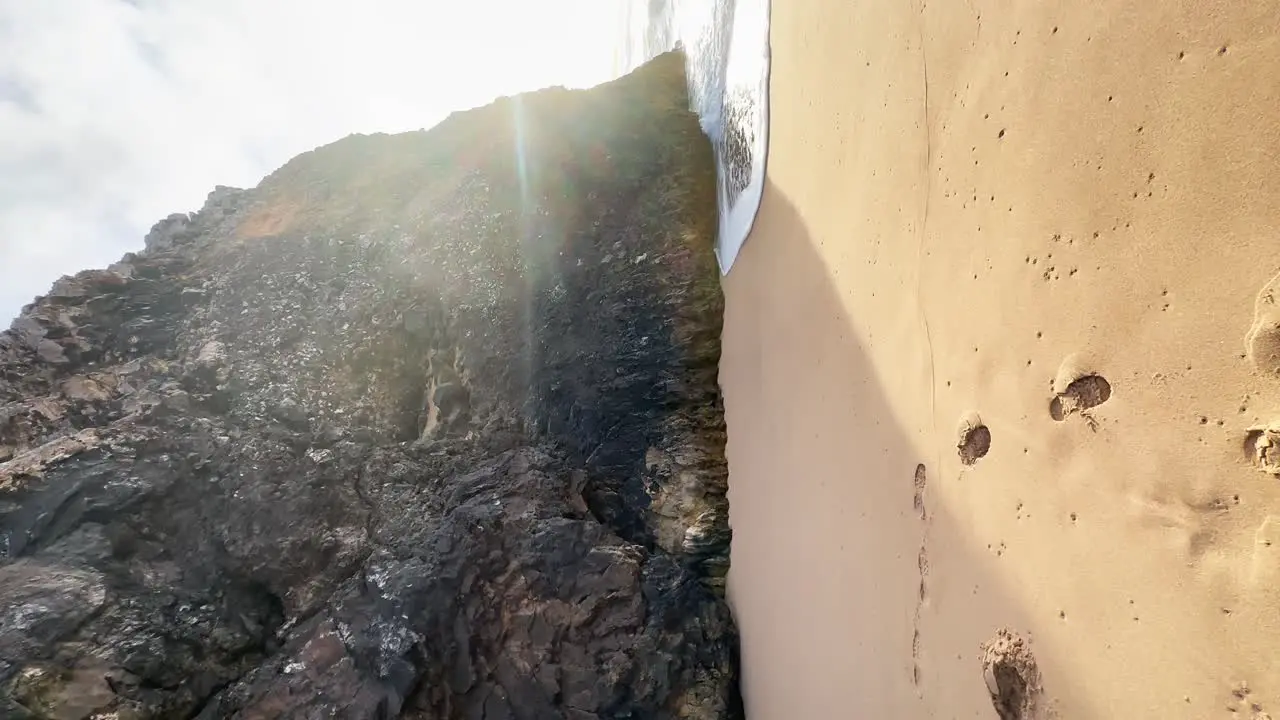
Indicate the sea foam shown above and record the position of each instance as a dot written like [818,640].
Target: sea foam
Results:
[727,44]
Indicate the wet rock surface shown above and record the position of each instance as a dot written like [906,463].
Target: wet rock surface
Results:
[424,426]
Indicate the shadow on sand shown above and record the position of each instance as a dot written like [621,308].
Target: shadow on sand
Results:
[857,592]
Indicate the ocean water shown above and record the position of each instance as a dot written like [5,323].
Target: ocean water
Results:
[727,44]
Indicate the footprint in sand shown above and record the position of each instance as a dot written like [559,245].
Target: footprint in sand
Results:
[921,480]
[974,439]
[1262,344]
[1243,706]
[1012,677]
[922,564]
[1262,447]
[1077,389]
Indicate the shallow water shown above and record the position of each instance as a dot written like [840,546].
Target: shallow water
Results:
[727,43]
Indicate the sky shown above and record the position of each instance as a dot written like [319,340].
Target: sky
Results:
[116,113]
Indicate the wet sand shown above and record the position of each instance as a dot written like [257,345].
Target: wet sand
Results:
[1000,364]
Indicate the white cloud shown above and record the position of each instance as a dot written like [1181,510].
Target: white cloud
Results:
[115,113]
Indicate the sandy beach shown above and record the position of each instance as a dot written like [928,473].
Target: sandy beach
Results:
[1000,355]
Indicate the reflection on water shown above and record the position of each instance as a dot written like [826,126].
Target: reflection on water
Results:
[727,42]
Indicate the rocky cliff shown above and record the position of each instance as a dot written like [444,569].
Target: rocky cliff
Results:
[424,426]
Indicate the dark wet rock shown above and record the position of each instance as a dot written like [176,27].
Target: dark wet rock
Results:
[424,426]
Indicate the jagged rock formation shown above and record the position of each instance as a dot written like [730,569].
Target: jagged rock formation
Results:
[424,426]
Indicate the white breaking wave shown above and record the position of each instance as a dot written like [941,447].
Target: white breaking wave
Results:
[727,44]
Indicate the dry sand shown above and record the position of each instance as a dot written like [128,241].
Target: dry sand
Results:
[970,207]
